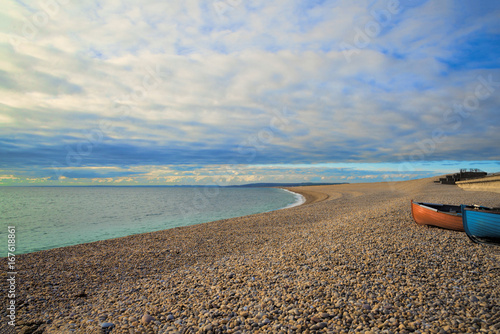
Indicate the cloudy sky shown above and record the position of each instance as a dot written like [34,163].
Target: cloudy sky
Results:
[236,91]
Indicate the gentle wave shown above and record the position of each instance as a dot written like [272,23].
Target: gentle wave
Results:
[299,199]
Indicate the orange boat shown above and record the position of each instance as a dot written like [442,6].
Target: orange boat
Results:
[440,215]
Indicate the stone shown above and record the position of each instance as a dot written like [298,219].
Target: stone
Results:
[367,307]
[146,319]
[107,327]
[315,319]
[319,326]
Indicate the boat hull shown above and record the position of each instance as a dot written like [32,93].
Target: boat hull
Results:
[482,226]
[425,215]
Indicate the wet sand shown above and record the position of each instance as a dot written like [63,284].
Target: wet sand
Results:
[349,260]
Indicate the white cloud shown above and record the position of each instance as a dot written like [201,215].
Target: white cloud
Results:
[6,119]
[8,177]
[192,78]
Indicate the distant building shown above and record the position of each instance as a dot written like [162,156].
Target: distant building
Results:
[462,176]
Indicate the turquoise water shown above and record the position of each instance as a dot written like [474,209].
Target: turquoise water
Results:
[51,217]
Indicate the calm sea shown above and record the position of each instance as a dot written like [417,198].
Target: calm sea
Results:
[51,217]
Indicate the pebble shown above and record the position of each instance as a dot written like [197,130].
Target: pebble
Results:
[146,319]
[106,326]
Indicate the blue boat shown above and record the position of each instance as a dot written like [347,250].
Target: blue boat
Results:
[482,226]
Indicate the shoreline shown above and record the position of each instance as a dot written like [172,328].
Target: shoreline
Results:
[352,251]
[253,209]
[309,195]
[300,199]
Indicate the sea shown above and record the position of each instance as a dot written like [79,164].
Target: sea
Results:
[51,217]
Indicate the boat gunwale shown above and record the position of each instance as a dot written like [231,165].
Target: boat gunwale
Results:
[426,206]
[428,216]
[472,237]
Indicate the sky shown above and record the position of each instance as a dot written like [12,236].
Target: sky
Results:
[228,92]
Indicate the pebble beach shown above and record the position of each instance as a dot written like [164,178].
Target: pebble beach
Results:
[349,260]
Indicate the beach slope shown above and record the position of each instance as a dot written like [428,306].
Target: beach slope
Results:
[350,259]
